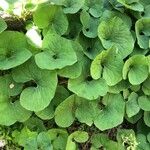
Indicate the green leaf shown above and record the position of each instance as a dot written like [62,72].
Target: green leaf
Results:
[115,32]
[72,6]
[132,107]
[64,113]
[147,118]
[121,86]
[135,118]
[95,8]
[39,93]
[25,135]
[50,16]
[44,14]
[101,140]
[90,24]
[108,15]
[77,136]
[13,51]
[144,102]
[74,70]
[91,47]
[115,106]
[92,110]
[108,64]
[142,28]
[3,25]
[10,111]
[44,141]
[146,87]
[127,138]
[143,143]
[58,138]
[58,53]
[133,5]
[34,124]
[86,87]
[60,95]
[136,68]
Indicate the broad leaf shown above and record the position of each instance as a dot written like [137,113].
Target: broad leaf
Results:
[60,95]
[146,87]
[136,69]
[132,4]
[86,87]
[115,32]
[10,110]
[101,140]
[58,53]
[77,136]
[64,113]
[115,106]
[144,102]
[90,24]
[142,28]
[74,70]
[37,95]
[72,6]
[132,107]
[47,15]
[95,7]
[147,118]
[13,51]
[108,64]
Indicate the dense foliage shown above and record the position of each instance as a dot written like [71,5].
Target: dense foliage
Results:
[75,75]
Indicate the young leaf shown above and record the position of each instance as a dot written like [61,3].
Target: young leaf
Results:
[108,64]
[79,137]
[136,68]
[142,28]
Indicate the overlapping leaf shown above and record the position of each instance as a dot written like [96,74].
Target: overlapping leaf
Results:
[136,69]
[108,65]
[11,110]
[37,95]
[115,32]
[14,50]
[58,53]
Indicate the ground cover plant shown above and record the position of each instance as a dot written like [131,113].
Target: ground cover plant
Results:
[75,75]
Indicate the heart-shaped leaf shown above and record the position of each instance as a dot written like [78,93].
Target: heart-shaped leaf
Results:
[13,51]
[132,4]
[142,28]
[108,64]
[58,53]
[115,32]
[115,106]
[10,111]
[136,68]
[37,95]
